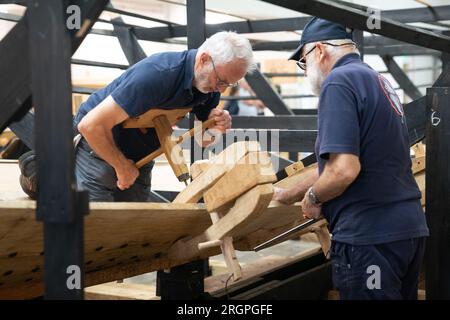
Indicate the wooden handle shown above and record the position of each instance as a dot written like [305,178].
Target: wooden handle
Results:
[209,244]
[171,148]
[205,125]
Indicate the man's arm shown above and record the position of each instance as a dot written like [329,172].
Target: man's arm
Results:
[297,192]
[96,128]
[340,171]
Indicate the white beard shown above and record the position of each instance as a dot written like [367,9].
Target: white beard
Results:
[315,77]
[201,80]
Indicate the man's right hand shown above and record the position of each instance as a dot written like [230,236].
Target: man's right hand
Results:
[127,175]
[282,195]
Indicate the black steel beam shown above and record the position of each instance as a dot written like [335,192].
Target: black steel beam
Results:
[401,50]
[136,15]
[24,128]
[305,112]
[196,35]
[196,30]
[288,24]
[15,68]
[271,140]
[415,113]
[358,19]
[270,25]
[437,260]
[103,32]
[287,96]
[358,37]
[129,43]
[14,61]
[9,17]
[290,122]
[444,79]
[401,77]
[266,93]
[291,45]
[293,74]
[372,45]
[100,64]
[58,206]
[294,122]
[430,14]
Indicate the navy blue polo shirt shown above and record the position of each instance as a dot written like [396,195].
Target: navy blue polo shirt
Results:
[162,81]
[359,113]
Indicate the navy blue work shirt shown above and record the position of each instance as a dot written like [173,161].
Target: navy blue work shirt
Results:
[162,81]
[359,113]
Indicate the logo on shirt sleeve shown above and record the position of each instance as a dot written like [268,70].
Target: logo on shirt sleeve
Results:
[390,94]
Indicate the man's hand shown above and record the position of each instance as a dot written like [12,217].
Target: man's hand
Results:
[310,210]
[222,119]
[126,175]
[282,195]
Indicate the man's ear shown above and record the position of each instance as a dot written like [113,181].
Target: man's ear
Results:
[204,57]
[321,52]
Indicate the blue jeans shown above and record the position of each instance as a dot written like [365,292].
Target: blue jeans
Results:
[96,176]
[388,271]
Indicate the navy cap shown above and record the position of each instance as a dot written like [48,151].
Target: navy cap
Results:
[319,29]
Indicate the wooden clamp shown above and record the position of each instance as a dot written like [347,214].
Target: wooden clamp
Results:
[324,238]
[226,245]
[173,116]
[172,150]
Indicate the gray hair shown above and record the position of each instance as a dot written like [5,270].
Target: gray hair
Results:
[334,52]
[226,46]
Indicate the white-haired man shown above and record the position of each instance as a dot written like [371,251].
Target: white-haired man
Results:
[364,186]
[190,79]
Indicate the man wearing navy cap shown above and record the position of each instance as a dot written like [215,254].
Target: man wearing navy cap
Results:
[364,186]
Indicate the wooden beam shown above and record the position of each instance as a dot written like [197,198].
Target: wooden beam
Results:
[228,251]
[121,291]
[220,164]
[198,167]
[418,164]
[146,120]
[247,206]
[253,169]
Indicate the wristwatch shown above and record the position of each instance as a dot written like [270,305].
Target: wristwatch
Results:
[313,198]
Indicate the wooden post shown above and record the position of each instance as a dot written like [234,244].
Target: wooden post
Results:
[437,193]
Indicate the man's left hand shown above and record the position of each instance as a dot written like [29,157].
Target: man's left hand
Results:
[310,210]
[222,119]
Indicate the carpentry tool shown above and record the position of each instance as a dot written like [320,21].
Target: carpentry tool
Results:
[285,235]
[162,120]
[284,173]
[296,166]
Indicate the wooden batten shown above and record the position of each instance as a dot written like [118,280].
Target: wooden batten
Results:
[219,165]
[146,120]
[252,170]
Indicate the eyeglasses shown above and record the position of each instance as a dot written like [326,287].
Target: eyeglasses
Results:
[219,82]
[302,62]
